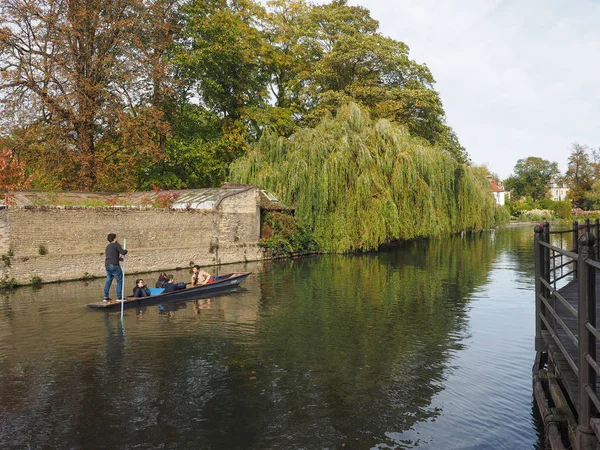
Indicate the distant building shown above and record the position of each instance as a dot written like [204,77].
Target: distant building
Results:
[557,191]
[498,191]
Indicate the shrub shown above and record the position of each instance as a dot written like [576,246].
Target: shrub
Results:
[42,250]
[280,234]
[36,282]
[8,283]
[6,259]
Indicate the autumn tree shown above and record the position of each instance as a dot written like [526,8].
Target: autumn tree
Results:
[580,173]
[69,84]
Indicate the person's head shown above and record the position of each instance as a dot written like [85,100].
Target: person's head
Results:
[139,282]
[196,268]
[170,278]
[111,237]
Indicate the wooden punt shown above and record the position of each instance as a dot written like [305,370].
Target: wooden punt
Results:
[228,281]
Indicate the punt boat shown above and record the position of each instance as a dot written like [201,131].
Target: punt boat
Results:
[223,282]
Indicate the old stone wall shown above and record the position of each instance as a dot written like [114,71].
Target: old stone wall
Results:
[4,243]
[68,243]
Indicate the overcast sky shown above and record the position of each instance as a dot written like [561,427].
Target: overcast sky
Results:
[518,78]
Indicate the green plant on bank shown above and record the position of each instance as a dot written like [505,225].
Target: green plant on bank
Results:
[8,283]
[6,259]
[357,184]
[529,210]
[36,282]
[42,250]
[281,235]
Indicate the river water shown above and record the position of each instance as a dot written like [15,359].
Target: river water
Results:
[428,345]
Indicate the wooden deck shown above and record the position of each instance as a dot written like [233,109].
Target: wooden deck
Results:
[567,376]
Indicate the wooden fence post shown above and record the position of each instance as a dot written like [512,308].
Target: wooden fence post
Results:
[575,245]
[597,234]
[539,269]
[586,438]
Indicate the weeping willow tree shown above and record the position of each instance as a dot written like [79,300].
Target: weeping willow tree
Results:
[357,184]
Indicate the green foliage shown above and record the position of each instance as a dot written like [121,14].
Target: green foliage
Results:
[42,250]
[531,177]
[358,184]
[562,209]
[6,259]
[36,282]
[8,283]
[281,235]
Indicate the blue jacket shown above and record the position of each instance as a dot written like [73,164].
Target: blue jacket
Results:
[172,287]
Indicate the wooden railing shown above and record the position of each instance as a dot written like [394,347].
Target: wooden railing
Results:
[555,266]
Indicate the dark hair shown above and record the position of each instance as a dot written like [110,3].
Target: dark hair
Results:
[138,280]
[170,277]
[111,237]
[196,267]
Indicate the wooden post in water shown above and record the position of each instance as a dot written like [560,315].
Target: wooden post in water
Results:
[586,438]
[539,269]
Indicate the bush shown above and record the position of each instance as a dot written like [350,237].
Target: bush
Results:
[36,282]
[8,283]
[42,250]
[546,204]
[281,235]
[562,209]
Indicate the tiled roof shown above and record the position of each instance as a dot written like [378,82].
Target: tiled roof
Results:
[495,187]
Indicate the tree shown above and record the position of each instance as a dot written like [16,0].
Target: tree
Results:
[70,88]
[338,56]
[531,177]
[580,173]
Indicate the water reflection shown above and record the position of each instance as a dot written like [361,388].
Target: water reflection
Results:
[321,352]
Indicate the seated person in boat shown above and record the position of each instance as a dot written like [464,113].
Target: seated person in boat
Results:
[171,286]
[162,279]
[200,277]
[140,289]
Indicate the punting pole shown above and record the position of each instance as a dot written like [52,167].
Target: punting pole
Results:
[123,283]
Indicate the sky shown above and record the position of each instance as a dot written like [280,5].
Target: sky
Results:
[518,78]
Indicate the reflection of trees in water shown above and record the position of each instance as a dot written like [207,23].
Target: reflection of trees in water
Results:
[344,347]
[367,338]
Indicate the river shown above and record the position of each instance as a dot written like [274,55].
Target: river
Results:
[427,345]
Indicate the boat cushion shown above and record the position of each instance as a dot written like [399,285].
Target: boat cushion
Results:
[156,291]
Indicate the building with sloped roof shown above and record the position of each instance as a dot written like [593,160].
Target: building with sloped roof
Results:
[498,192]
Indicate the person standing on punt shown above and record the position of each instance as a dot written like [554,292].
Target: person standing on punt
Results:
[113,269]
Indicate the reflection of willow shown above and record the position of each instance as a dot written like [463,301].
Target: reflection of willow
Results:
[368,337]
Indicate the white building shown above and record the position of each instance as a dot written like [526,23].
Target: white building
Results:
[557,191]
[498,191]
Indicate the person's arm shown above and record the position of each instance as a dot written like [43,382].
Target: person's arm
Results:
[121,250]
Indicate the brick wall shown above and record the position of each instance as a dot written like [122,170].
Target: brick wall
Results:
[74,238]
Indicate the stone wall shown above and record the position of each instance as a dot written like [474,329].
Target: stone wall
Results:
[68,243]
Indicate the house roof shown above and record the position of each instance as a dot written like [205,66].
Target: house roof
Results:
[495,187]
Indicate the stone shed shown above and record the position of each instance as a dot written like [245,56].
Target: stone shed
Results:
[62,236]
